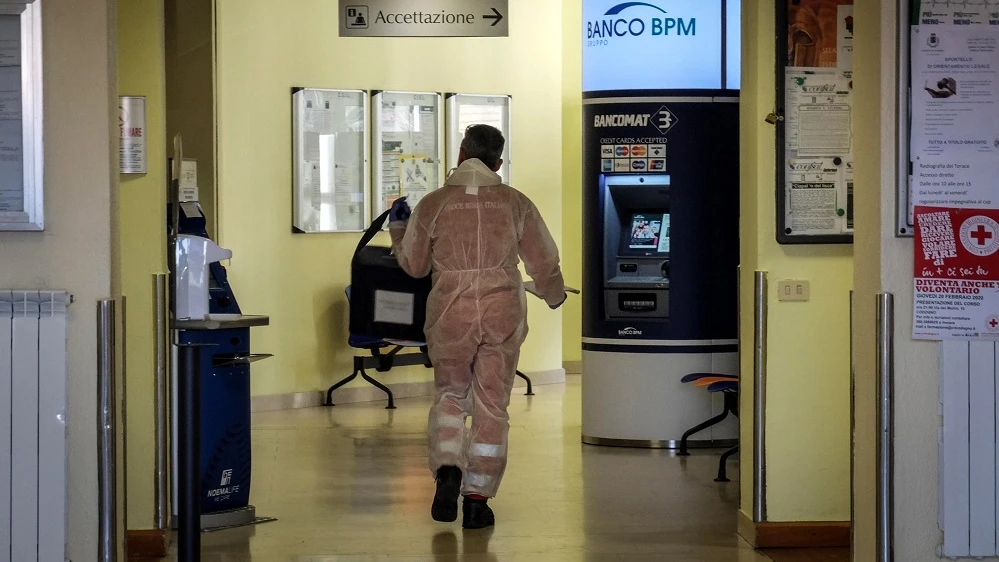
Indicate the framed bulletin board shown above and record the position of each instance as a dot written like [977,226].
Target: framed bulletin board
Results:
[814,121]
[22,202]
[464,110]
[408,148]
[331,144]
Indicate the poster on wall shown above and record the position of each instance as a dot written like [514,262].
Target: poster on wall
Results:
[815,122]
[132,127]
[954,160]
[956,274]
[408,150]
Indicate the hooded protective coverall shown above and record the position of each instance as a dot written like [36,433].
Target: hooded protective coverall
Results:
[470,234]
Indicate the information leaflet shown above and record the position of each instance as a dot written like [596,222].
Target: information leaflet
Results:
[955,163]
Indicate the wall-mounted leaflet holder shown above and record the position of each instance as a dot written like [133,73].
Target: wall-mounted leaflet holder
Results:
[408,149]
[331,155]
[21,121]
[464,110]
[814,121]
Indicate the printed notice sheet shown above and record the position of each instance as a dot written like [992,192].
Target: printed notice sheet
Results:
[819,151]
[409,135]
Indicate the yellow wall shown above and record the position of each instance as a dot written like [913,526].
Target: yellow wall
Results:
[572,175]
[264,49]
[808,390]
[142,247]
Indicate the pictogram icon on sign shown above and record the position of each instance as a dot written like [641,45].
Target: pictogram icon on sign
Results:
[992,323]
[980,235]
[356,17]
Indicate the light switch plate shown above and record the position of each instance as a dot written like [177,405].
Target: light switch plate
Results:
[794,291]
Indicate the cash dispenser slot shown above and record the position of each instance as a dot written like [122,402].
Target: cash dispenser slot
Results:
[637,302]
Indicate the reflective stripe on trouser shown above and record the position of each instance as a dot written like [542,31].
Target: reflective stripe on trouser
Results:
[480,387]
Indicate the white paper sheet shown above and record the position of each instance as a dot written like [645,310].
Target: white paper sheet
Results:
[394,308]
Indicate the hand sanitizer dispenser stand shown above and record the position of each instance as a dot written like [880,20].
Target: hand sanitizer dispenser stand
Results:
[207,315]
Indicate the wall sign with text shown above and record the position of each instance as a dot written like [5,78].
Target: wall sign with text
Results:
[814,121]
[424,18]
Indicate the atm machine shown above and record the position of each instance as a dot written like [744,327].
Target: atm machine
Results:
[660,219]
[214,321]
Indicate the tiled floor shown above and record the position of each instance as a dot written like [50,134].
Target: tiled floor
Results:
[350,484]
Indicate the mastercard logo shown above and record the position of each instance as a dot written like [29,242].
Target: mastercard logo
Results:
[639,151]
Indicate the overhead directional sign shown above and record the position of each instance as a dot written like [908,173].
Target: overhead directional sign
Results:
[424,18]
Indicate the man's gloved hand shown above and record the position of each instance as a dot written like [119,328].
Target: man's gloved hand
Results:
[400,210]
[565,297]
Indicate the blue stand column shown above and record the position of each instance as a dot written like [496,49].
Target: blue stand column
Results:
[189,451]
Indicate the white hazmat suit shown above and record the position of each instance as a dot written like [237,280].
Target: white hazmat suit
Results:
[471,234]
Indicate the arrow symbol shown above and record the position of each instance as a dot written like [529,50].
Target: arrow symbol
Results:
[498,17]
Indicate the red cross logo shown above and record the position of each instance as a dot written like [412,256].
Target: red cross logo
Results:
[982,235]
[994,323]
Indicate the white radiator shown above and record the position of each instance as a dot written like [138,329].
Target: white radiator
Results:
[33,426]
[968,452]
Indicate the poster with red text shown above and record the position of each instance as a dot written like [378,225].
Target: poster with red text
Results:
[956,274]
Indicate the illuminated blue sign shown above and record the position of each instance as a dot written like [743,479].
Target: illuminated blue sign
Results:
[661,45]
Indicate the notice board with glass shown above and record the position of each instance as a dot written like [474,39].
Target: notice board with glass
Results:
[814,121]
[331,144]
[408,149]
[465,110]
[21,168]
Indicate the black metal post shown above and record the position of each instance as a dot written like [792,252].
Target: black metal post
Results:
[189,451]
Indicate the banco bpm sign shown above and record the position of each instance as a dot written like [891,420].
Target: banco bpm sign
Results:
[660,44]
[424,18]
[623,20]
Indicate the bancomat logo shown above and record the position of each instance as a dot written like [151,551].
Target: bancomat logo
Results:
[663,120]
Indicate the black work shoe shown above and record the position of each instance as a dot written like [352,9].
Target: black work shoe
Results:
[445,508]
[476,514]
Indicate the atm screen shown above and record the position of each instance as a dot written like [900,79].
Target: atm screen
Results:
[649,233]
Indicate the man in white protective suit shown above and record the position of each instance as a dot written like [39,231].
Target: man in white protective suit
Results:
[471,235]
